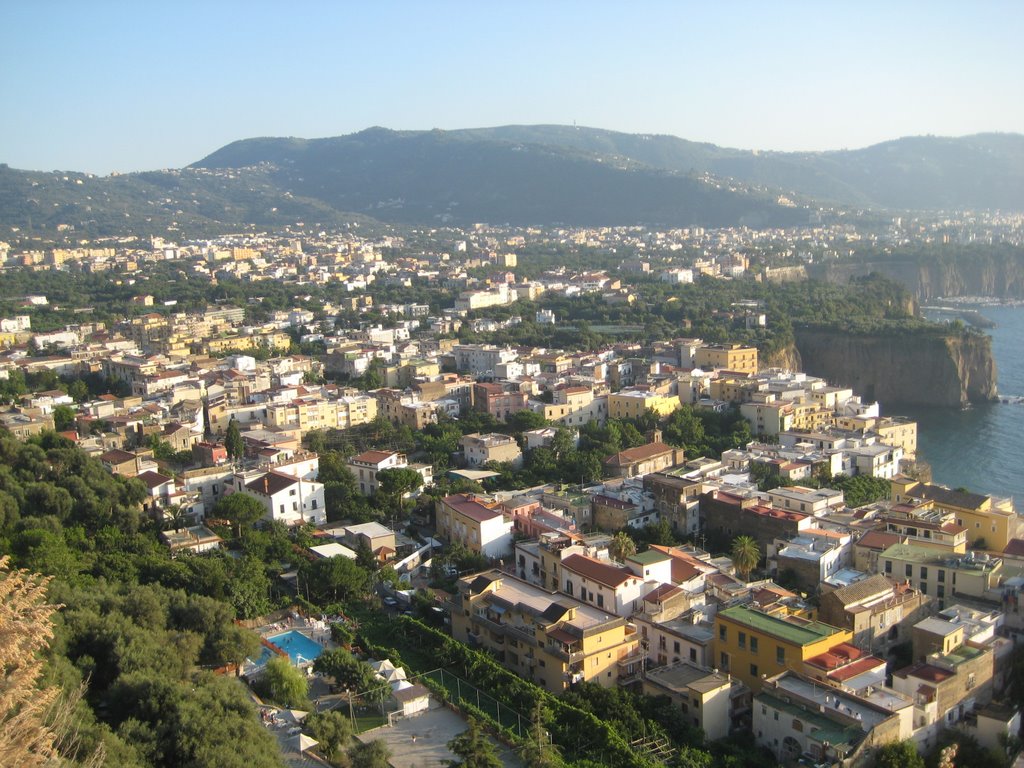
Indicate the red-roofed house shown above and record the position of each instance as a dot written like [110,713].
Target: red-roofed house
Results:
[480,526]
[604,585]
[290,500]
[367,464]
[643,459]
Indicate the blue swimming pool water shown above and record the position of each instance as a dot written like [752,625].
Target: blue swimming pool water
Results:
[298,647]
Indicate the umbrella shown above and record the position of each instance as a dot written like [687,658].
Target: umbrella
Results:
[301,742]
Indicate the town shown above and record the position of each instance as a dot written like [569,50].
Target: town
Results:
[674,516]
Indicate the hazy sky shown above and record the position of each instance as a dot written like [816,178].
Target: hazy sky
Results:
[99,86]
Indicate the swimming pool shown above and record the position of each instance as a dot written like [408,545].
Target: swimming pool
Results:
[298,647]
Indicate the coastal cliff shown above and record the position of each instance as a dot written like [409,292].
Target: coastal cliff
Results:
[998,273]
[917,369]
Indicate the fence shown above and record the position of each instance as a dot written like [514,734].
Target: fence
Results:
[463,692]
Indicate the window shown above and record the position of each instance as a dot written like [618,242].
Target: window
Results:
[753,645]
[693,654]
[924,573]
[721,633]
[909,570]
[780,655]
[924,588]
[675,646]
[942,575]
[940,591]
[888,566]
[600,601]
[743,639]
[753,670]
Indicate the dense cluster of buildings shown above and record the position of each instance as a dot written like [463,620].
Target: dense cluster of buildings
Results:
[896,617]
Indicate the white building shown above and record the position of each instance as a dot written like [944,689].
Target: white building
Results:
[366,465]
[287,499]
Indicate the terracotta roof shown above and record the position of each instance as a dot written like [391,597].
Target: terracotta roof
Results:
[858,667]
[117,456]
[372,457]
[864,589]
[640,453]
[467,505]
[878,540]
[154,479]
[603,573]
[1014,548]
[662,593]
[271,483]
[684,567]
[927,672]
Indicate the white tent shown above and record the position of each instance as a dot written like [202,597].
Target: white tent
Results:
[301,742]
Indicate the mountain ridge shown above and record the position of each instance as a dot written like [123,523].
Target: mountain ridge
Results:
[520,175]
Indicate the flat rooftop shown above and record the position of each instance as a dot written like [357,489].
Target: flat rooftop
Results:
[833,698]
[682,676]
[791,629]
[515,593]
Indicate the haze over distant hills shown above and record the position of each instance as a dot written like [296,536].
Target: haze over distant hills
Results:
[523,175]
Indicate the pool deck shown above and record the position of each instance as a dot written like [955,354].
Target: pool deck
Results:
[314,630]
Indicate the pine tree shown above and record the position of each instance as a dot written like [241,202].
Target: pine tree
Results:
[474,748]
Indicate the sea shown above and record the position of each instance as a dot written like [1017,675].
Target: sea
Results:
[981,448]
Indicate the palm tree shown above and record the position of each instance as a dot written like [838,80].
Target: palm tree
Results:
[621,546]
[746,554]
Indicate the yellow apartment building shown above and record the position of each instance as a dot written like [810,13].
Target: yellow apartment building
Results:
[751,645]
[990,523]
[547,638]
[729,357]
[631,404]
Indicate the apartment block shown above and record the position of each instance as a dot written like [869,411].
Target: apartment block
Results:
[549,639]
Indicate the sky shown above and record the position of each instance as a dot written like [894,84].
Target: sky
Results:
[102,86]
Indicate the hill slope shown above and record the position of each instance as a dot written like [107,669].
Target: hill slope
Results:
[915,173]
[463,178]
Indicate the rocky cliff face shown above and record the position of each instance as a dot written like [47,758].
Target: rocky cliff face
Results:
[787,358]
[1000,275]
[913,369]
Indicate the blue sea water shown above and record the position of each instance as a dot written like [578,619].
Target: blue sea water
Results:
[981,448]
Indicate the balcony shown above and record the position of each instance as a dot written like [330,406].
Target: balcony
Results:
[520,633]
[570,653]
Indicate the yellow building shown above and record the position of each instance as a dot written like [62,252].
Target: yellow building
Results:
[547,638]
[990,523]
[811,417]
[728,357]
[752,645]
[942,574]
[632,403]
[304,414]
[354,410]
